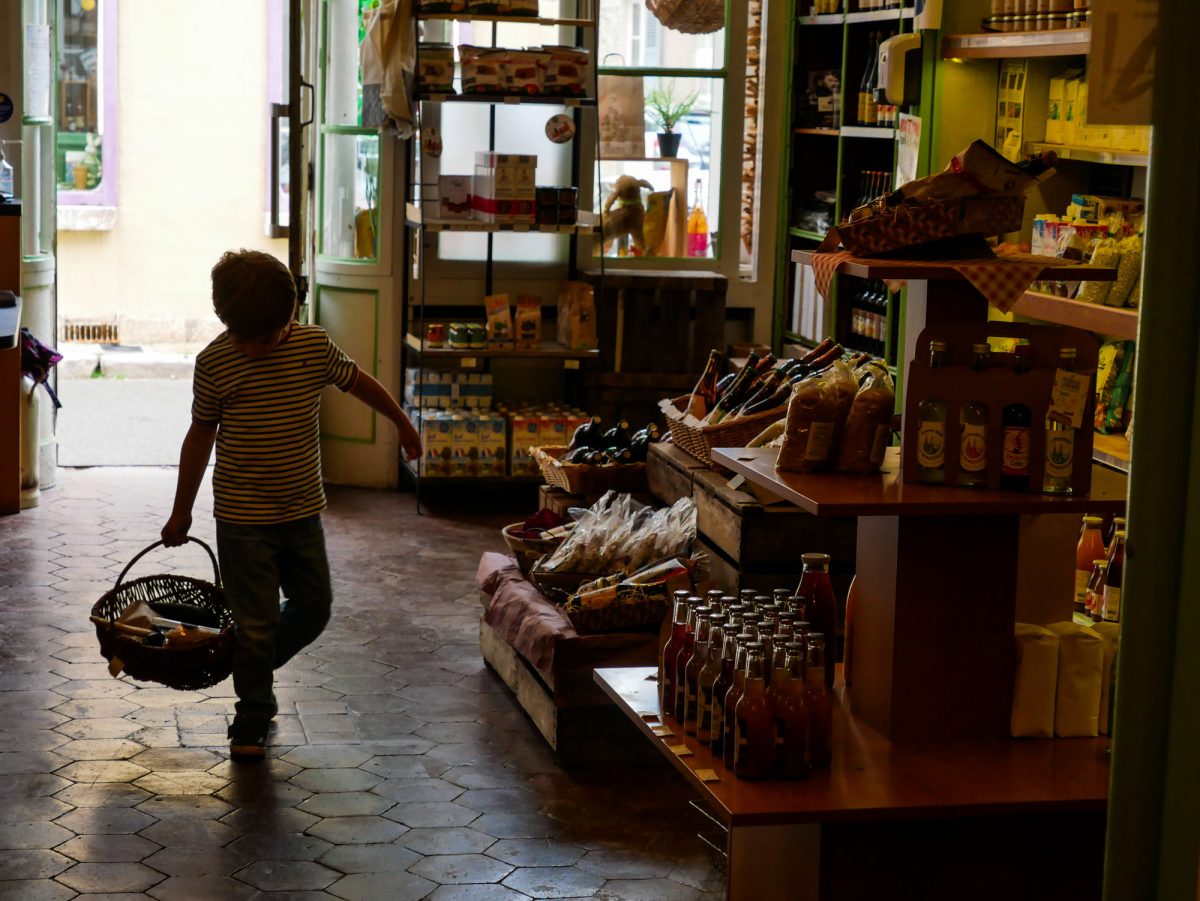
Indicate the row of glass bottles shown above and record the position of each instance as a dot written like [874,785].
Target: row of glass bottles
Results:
[1099,570]
[754,664]
[1016,422]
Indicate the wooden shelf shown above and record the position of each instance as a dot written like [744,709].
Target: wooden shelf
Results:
[1004,45]
[872,779]
[868,131]
[549,350]
[508,98]
[516,20]
[884,494]
[881,15]
[827,132]
[944,270]
[823,19]
[1111,451]
[470,481]
[588,222]
[1091,154]
[1117,321]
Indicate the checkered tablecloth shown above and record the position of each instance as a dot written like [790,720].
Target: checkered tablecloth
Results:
[1001,279]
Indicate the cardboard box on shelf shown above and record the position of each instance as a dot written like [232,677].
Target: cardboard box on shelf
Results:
[526,434]
[1071,110]
[437,439]
[454,196]
[465,462]
[493,444]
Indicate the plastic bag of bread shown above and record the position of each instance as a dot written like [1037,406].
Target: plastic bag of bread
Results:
[813,420]
[868,430]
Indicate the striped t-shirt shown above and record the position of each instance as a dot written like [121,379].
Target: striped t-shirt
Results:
[266,413]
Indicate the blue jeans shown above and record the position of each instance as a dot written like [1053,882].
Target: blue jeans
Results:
[256,562]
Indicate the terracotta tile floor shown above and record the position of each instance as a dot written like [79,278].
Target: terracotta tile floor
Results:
[401,767]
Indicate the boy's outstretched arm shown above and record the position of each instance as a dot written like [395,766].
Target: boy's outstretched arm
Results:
[379,399]
[193,459]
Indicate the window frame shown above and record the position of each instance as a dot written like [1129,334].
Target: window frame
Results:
[105,194]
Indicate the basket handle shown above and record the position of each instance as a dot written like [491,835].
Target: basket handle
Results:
[144,552]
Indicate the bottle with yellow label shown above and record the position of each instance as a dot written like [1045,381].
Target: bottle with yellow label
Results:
[1060,441]
[972,431]
[931,427]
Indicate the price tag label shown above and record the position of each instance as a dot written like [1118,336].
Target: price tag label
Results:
[1071,390]
[570,364]
[736,482]
[662,731]
[680,750]
[468,362]
[707,775]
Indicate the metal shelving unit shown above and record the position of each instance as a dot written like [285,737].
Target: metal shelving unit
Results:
[423,229]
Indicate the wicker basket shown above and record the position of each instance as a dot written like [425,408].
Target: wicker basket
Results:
[201,664]
[642,615]
[689,16]
[579,478]
[699,442]
[527,550]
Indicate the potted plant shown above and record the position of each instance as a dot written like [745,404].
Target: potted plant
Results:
[666,112]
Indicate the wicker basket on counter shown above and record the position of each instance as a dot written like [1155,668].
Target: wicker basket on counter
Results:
[699,442]
[586,479]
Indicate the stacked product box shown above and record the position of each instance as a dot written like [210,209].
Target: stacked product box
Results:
[538,426]
[462,443]
[502,189]
[443,390]
[1067,119]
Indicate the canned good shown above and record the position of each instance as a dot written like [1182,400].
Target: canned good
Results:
[435,334]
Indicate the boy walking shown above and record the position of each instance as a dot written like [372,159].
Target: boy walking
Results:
[257,395]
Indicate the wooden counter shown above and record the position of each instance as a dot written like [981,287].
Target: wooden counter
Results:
[873,778]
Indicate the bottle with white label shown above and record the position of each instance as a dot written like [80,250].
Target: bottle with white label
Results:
[1060,441]
[1015,421]
[931,427]
[972,430]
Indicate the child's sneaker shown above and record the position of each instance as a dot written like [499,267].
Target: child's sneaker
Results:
[248,738]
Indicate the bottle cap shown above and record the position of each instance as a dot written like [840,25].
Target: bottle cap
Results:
[815,559]
[1093,520]
[793,646]
[1100,562]
[813,636]
[755,645]
[1118,519]
[938,345]
[982,348]
[1120,533]
[1068,352]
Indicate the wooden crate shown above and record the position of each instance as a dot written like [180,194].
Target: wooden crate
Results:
[633,395]
[669,472]
[656,321]
[558,501]
[755,535]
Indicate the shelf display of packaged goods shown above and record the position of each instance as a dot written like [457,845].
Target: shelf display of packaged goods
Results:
[1090,154]
[552,99]
[1016,44]
[476,481]
[884,494]
[1111,451]
[588,222]
[1120,322]
[516,20]
[881,15]
[547,350]
[826,132]
[868,131]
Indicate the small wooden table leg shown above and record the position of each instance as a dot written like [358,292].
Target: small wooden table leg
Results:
[774,862]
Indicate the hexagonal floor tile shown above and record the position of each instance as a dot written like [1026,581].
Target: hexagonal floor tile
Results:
[36,890]
[446,840]
[27,810]
[181,832]
[554,882]
[336,779]
[32,864]
[536,852]
[109,727]
[406,766]
[345,804]
[518,825]
[277,876]
[364,830]
[99,749]
[108,848]
[418,790]
[225,888]
[646,890]
[390,858]
[181,782]
[456,869]
[432,813]
[264,845]
[104,794]
[373,886]
[110,877]
[333,756]
[267,816]
[159,760]
[626,864]
[29,836]
[102,771]
[105,820]
[195,861]
[200,807]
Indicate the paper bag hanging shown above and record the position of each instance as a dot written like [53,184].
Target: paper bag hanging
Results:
[622,116]
[388,56]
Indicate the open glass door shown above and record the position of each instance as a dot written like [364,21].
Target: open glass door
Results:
[354,293]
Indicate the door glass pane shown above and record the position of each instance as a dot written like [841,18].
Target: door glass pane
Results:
[350,203]
[37,190]
[80,95]
[680,205]
[630,36]
[343,77]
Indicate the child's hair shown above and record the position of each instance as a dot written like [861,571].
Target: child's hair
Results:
[253,293]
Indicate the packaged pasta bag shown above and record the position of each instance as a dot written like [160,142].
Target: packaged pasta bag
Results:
[1115,418]
[499,320]
[1129,271]
[811,428]
[868,430]
[1105,253]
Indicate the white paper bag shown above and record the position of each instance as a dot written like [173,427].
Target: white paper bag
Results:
[1034,682]
[1080,662]
[1110,634]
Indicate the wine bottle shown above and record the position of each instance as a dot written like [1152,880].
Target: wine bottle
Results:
[1060,441]
[1016,421]
[931,427]
[704,395]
